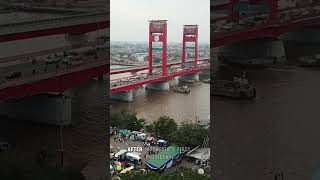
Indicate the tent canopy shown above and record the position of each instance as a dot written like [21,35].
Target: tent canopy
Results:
[159,160]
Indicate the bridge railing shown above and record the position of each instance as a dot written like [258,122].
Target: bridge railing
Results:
[59,21]
[144,77]
[23,58]
[56,19]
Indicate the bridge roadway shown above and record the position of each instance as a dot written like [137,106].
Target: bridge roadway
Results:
[25,58]
[133,82]
[290,19]
[56,77]
[142,68]
[69,24]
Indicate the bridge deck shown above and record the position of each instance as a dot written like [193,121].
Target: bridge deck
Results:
[57,81]
[142,68]
[130,83]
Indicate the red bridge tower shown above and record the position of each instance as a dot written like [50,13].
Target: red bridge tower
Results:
[158,33]
[190,34]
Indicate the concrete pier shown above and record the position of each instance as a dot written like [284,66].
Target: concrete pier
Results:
[259,48]
[122,96]
[159,86]
[307,40]
[189,78]
[45,108]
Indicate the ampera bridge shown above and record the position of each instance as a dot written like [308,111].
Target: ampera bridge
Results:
[158,75]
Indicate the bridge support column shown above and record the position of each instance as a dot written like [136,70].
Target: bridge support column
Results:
[204,74]
[76,40]
[303,42]
[189,78]
[266,50]
[45,108]
[159,86]
[122,96]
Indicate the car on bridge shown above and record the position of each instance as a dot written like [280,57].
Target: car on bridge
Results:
[72,59]
[14,75]
[53,59]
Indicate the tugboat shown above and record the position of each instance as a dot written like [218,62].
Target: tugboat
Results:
[182,89]
[238,88]
[310,61]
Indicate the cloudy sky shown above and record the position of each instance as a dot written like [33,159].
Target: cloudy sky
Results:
[129,18]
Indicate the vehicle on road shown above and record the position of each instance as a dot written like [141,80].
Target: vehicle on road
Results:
[52,59]
[14,75]
[120,155]
[72,59]
[134,158]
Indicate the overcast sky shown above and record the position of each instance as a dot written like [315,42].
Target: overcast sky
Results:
[129,18]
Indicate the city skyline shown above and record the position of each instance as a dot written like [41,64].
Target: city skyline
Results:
[178,13]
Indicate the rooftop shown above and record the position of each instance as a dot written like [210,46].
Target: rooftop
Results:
[164,156]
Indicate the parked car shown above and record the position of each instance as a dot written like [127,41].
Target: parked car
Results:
[162,143]
[120,155]
[134,158]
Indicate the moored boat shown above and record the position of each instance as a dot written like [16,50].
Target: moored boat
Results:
[310,61]
[182,89]
[238,88]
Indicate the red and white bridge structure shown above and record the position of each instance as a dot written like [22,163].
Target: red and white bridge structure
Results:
[56,80]
[29,81]
[233,21]
[156,77]
[72,25]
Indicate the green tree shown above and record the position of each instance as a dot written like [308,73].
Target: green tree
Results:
[190,135]
[127,120]
[149,128]
[165,126]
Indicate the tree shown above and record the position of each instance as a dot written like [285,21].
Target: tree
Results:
[149,128]
[126,120]
[190,135]
[164,126]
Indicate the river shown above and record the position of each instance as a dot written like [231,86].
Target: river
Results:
[276,132]
[150,105]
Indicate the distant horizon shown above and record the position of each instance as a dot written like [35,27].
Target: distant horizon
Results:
[129,19]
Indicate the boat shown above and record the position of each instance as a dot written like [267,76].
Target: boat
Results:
[238,88]
[182,89]
[310,61]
